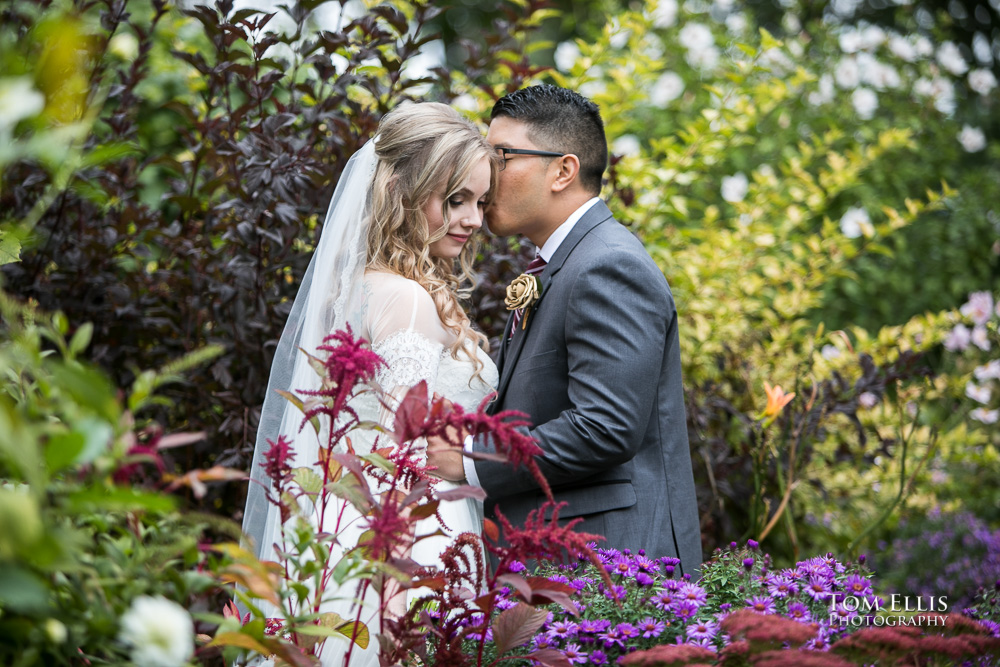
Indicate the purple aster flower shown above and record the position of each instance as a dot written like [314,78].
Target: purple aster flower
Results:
[753,545]
[748,563]
[643,579]
[782,587]
[517,566]
[613,637]
[506,603]
[799,612]
[665,600]
[563,630]
[598,658]
[619,593]
[685,610]
[702,630]
[559,579]
[993,627]
[857,585]
[543,641]
[693,593]
[622,566]
[761,604]
[627,631]
[672,585]
[574,654]
[580,584]
[818,588]
[593,627]
[842,612]
[646,565]
[725,606]
[650,627]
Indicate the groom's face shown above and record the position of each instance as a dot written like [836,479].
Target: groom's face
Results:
[521,199]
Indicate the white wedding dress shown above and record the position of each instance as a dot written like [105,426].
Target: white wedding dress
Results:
[401,321]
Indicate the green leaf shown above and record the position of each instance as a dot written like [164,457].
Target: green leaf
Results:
[119,499]
[81,338]
[22,591]
[308,480]
[10,248]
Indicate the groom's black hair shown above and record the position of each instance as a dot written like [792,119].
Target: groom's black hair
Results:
[562,121]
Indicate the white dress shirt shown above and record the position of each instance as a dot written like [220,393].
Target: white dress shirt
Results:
[546,252]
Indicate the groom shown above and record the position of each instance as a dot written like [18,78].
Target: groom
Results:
[595,359]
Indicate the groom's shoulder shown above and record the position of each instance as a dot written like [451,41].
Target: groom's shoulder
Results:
[612,241]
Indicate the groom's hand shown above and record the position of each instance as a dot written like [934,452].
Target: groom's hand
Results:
[447,458]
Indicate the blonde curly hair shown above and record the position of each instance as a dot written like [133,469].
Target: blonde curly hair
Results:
[423,149]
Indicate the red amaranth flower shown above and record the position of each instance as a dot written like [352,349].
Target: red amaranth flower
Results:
[348,363]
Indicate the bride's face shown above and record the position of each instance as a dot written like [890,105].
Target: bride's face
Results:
[465,212]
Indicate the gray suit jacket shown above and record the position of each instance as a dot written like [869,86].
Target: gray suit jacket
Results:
[598,371]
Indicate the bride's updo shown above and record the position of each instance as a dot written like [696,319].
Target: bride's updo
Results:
[422,149]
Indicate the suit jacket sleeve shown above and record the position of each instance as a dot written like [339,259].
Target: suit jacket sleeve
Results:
[617,320]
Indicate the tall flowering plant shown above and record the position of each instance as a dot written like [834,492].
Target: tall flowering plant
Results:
[391,488]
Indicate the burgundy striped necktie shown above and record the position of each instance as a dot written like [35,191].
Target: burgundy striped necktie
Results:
[535,268]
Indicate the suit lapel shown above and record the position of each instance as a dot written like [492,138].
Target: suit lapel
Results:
[510,352]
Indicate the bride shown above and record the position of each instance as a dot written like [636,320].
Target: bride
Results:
[397,243]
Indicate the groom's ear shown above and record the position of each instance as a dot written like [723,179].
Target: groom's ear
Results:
[568,172]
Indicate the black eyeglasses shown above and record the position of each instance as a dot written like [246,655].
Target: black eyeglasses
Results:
[504,152]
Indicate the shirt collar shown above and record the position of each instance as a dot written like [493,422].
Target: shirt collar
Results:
[562,231]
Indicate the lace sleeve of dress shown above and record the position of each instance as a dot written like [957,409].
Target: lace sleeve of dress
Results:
[410,357]
[407,334]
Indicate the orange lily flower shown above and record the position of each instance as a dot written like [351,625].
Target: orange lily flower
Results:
[777,399]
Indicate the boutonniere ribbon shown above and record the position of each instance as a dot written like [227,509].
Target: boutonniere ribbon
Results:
[523,292]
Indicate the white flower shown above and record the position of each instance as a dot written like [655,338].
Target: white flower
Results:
[855,222]
[980,339]
[736,23]
[985,416]
[877,74]
[703,59]
[982,81]
[950,58]
[734,188]
[18,100]
[777,61]
[566,54]
[695,36]
[627,144]
[978,307]
[665,14]
[977,393]
[867,400]
[850,40]
[958,338]
[619,38]
[159,631]
[981,49]
[847,73]
[972,139]
[865,102]
[989,371]
[792,25]
[872,37]
[845,8]
[826,91]
[940,89]
[924,46]
[592,89]
[666,89]
[465,102]
[124,45]
[902,48]
[829,352]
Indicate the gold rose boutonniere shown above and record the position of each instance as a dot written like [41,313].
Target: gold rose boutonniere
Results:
[523,292]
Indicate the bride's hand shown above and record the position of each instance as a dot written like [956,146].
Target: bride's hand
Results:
[446,458]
